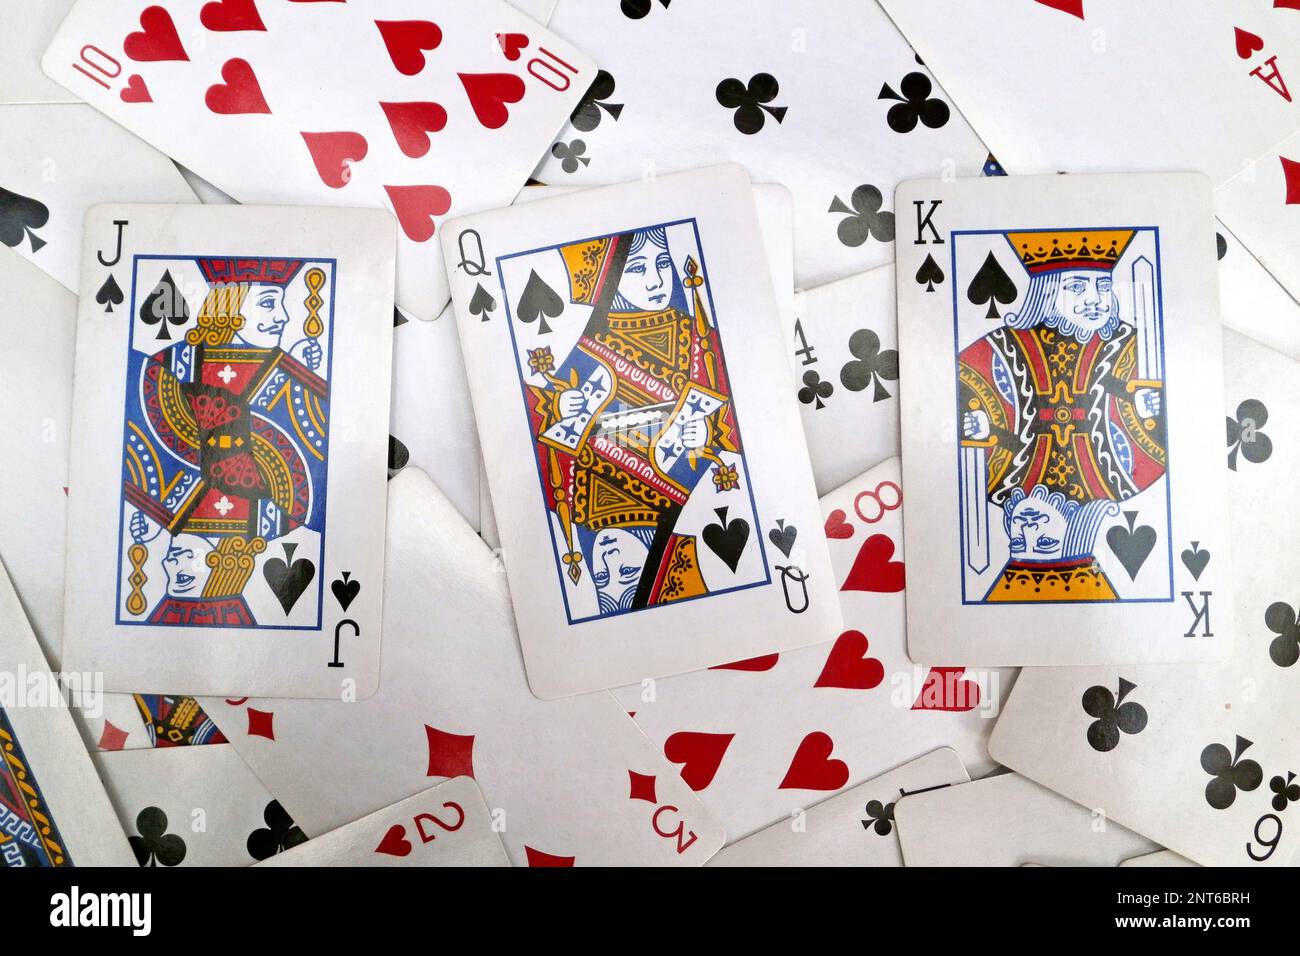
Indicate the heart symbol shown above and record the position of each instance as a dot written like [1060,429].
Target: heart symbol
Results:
[231,15]
[136,91]
[1248,43]
[837,526]
[1291,175]
[407,40]
[812,767]
[489,93]
[416,207]
[511,44]
[288,580]
[753,664]
[345,591]
[412,123]
[240,93]
[1195,559]
[848,666]
[334,154]
[395,842]
[1072,7]
[873,570]
[157,38]
[699,754]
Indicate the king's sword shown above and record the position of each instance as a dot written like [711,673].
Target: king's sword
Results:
[1150,350]
[975,503]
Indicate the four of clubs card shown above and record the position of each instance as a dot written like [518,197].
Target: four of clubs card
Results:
[227,482]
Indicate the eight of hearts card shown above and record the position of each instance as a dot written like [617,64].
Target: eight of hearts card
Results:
[1061,403]
[53,809]
[227,480]
[446,825]
[430,109]
[1202,759]
[644,454]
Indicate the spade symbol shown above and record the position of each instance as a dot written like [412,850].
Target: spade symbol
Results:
[1131,546]
[1195,559]
[110,294]
[538,303]
[398,318]
[783,537]
[929,274]
[19,216]
[399,456]
[727,539]
[345,590]
[991,285]
[482,303]
[165,307]
[288,578]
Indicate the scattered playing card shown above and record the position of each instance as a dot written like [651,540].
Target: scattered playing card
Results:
[72,158]
[855,828]
[1057,407]
[844,350]
[610,395]
[29,26]
[1008,820]
[432,418]
[446,825]
[227,480]
[53,810]
[1202,759]
[1159,858]
[1261,204]
[573,780]
[431,109]
[36,393]
[1252,302]
[195,806]
[850,708]
[827,99]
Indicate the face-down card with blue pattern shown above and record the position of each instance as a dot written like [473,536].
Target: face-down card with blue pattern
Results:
[227,482]
[647,465]
[1062,387]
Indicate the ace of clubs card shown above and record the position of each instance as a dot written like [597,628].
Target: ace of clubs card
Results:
[430,109]
[647,466]
[1061,408]
[227,482]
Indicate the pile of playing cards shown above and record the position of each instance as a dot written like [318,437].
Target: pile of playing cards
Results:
[471,433]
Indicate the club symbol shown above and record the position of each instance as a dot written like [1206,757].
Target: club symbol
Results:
[571,155]
[587,116]
[1114,716]
[20,217]
[1281,619]
[155,846]
[880,817]
[1230,773]
[1244,434]
[1220,245]
[1285,791]
[279,834]
[751,101]
[869,365]
[864,218]
[915,104]
[929,274]
[399,456]
[814,389]
[636,9]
